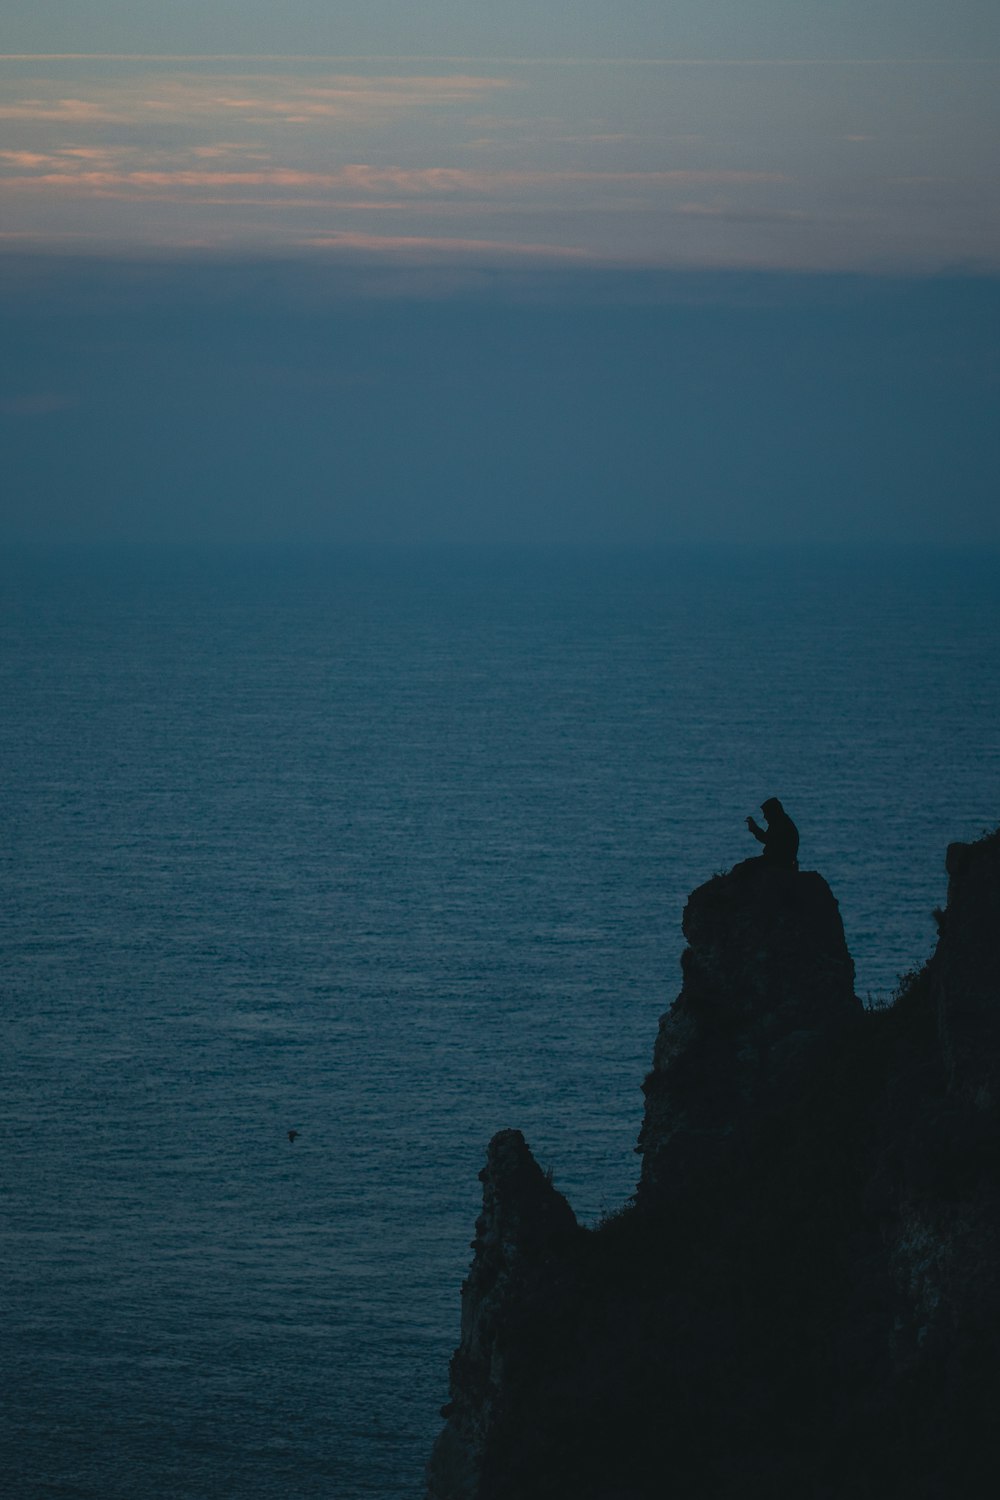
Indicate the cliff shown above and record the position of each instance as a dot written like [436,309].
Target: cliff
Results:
[803,1296]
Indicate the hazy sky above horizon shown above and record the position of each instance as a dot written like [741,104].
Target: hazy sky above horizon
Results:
[470,158]
[642,28]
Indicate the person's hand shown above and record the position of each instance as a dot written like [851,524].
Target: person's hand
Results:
[750,823]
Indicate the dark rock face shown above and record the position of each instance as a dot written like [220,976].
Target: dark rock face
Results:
[941,1134]
[804,1297]
[525,1229]
[768,985]
[966,974]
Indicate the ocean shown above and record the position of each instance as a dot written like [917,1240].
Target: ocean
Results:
[391,849]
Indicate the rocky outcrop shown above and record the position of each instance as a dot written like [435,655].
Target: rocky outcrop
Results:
[965,974]
[803,1298]
[940,1170]
[524,1238]
[768,989]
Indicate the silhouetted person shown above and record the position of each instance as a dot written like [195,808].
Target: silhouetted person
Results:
[780,838]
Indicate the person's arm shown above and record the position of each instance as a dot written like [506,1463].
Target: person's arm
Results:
[757,831]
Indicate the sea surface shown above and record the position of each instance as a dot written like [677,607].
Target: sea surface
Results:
[391,849]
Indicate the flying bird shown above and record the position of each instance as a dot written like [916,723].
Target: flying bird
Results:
[293,1136]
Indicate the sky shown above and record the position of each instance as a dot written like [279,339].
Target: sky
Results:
[537,28]
[715,270]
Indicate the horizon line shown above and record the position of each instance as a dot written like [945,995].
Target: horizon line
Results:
[518,259]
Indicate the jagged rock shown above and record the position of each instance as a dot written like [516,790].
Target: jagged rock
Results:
[768,983]
[943,1232]
[967,973]
[525,1226]
[804,1299]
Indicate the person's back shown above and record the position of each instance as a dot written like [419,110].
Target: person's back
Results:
[780,838]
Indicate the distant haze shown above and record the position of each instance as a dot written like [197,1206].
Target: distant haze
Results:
[251,400]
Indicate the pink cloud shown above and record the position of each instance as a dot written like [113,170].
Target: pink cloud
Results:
[415,182]
[63,111]
[275,97]
[28,160]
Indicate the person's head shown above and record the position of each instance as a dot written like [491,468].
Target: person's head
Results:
[771,808]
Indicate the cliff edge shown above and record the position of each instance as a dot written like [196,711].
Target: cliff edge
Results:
[803,1297]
